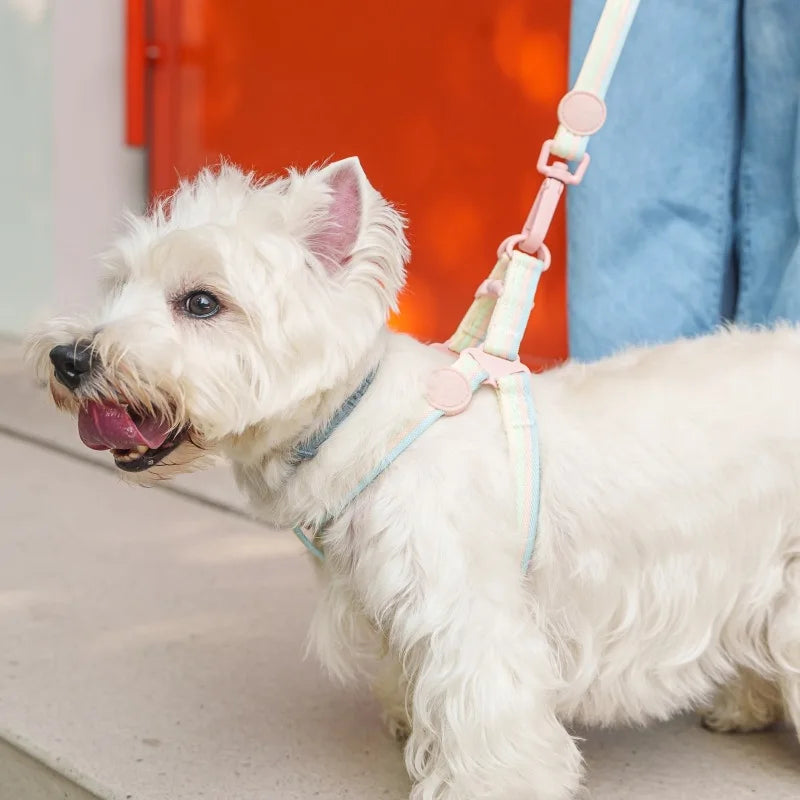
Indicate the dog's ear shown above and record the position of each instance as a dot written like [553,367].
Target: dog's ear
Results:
[338,229]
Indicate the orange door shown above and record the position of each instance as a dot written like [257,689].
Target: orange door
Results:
[446,104]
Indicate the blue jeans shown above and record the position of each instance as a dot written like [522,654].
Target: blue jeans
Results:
[688,215]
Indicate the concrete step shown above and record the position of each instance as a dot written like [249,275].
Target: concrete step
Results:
[151,648]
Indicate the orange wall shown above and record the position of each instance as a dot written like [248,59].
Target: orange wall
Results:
[445,103]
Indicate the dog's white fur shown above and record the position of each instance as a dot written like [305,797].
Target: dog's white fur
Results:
[667,561]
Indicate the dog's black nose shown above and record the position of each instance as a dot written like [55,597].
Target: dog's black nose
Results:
[72,363]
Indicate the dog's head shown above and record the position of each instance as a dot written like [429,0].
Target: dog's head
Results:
[225,310]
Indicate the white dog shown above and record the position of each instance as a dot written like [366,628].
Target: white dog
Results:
[241,315]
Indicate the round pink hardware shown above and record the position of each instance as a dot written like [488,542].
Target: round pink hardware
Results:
[449,391]
[582,113]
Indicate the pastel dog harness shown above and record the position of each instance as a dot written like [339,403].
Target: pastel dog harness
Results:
[487,340]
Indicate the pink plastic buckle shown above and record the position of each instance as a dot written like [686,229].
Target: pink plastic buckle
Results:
[496,366]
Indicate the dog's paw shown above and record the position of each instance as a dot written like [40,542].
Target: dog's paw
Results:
[723,721]
[747,704]
[397,723]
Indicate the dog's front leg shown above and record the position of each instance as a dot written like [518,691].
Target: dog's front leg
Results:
[341,636]
[391,689]
[483,719]
[483,693]
[459,618]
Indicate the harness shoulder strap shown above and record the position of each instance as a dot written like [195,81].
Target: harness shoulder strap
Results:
[515,391]
[472,329]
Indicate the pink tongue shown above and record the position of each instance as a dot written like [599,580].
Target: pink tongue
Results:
[104,427]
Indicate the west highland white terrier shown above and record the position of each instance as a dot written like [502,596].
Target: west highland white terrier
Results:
[238,318]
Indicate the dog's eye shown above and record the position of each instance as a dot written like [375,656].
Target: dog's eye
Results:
[200,304]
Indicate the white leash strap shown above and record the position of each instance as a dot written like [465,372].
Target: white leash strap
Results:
[582,111]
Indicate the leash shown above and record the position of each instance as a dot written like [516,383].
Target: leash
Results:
[488,338]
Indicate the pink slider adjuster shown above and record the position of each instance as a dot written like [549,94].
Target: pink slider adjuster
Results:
[449,391]
[582,113]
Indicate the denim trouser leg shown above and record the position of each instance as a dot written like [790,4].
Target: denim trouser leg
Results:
[769,185]
[651,228]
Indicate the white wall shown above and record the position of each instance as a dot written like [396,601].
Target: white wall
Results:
[26,163]
[65,172]
[95,174]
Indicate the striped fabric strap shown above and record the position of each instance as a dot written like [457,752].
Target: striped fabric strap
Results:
[309,535]
[503,335]
[519,418]
[597,69]
[510,318]
[472,330]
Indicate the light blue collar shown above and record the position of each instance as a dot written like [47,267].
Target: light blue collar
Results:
[307,449]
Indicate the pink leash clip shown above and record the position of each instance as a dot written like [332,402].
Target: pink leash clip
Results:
[534,231]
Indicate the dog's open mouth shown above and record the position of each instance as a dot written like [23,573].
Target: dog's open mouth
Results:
[136,442]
